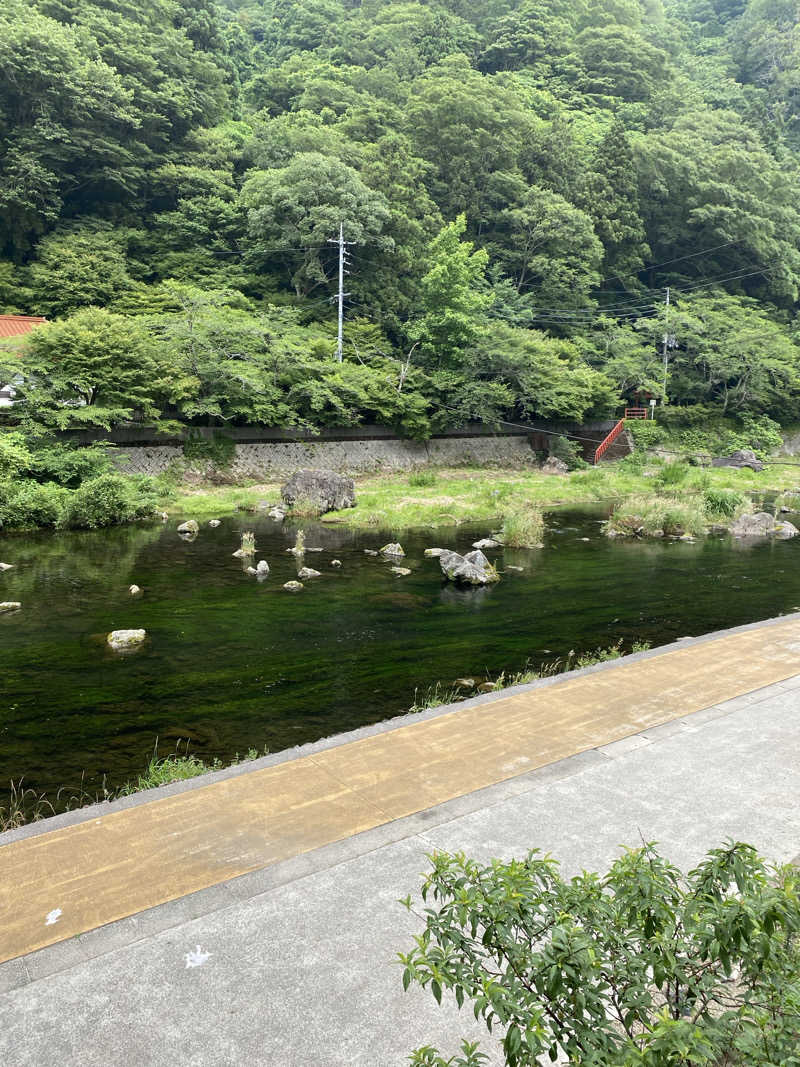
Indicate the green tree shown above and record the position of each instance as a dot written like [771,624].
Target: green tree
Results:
[612,200]
[453,297]
[641,967]
[92,369]
[78,266]
[298,208]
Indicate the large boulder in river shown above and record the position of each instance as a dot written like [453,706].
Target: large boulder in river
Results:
[9,605]
[742,457]
[320,491]
[762,524]
[472,569]
[190,527]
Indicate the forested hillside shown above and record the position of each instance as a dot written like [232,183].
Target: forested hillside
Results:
[520,183]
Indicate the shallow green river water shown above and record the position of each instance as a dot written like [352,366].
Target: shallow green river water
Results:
[233,663]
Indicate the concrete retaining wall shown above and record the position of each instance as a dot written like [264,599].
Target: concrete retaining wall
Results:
[267,459]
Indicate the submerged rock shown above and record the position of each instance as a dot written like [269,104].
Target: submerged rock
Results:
[240,553]
[320,491]
[191,526]
[251,570]
[486,542]
[434,553]
[9,605]
[278,514]
[472,569]
[401,571]
[293,587]
[742,457]
[393,549]
[122,640]
[6,566]
[511,567]
[213,523]
[262,567]
[370,552]
[308,572]
[336,563]
[134,590]
[465,683]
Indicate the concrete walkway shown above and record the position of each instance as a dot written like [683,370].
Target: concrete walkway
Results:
[290,963]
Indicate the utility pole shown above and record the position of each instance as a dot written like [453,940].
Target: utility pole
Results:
[342,294]
[666,346]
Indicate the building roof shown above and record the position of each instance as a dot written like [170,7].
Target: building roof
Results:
[17,325]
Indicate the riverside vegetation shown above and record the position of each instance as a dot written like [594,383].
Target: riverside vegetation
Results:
[519,181]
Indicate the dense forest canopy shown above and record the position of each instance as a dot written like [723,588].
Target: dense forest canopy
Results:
[519,180]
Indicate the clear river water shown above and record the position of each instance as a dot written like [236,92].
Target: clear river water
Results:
[233,663]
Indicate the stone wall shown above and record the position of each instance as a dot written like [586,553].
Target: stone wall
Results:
[277,459]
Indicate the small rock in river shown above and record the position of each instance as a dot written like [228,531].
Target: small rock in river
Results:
[393,549]
[308,572]
[434,553]
[370,552]
[189,527]
[262,567]
[487,687]
[9,605]
[401,571]
[121,640]
[134,590]
[465,683]
[214,523]
[511,567]
[336,563]
[277,514]
[486,542]
[293,587]
[250,570]
[6,566]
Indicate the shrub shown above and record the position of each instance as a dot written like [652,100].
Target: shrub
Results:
[523,527]
[421,479]
[569,452]
[108,500]
[724,503]
[69,466]
[14,455]
[646,433]
[641,966]
[26,505]
[672,474]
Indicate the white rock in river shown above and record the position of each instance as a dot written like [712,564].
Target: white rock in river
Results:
[293,587]
[401,571]
[278,514]
[9,605]
[213,523]
[308,572]
[262,567]
[121,640]
[336,563]
[486,542]
[6,566]
[434,553]
[191,526]
[134,590]
[250,570]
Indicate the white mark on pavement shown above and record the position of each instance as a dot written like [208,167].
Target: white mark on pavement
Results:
[53,917]
[196,958]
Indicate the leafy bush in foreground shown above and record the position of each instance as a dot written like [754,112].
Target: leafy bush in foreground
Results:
[642,967]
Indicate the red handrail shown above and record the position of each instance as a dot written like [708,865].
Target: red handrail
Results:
[608,441]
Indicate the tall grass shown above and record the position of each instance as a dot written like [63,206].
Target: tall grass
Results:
[523,527]
[659,516]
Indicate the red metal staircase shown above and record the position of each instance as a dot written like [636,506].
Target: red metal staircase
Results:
[609,439]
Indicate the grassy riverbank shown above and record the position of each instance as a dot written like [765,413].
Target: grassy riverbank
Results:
[448,497]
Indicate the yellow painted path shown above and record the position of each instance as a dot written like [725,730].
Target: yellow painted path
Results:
[121,863]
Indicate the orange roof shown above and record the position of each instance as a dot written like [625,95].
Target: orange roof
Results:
[16,325]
